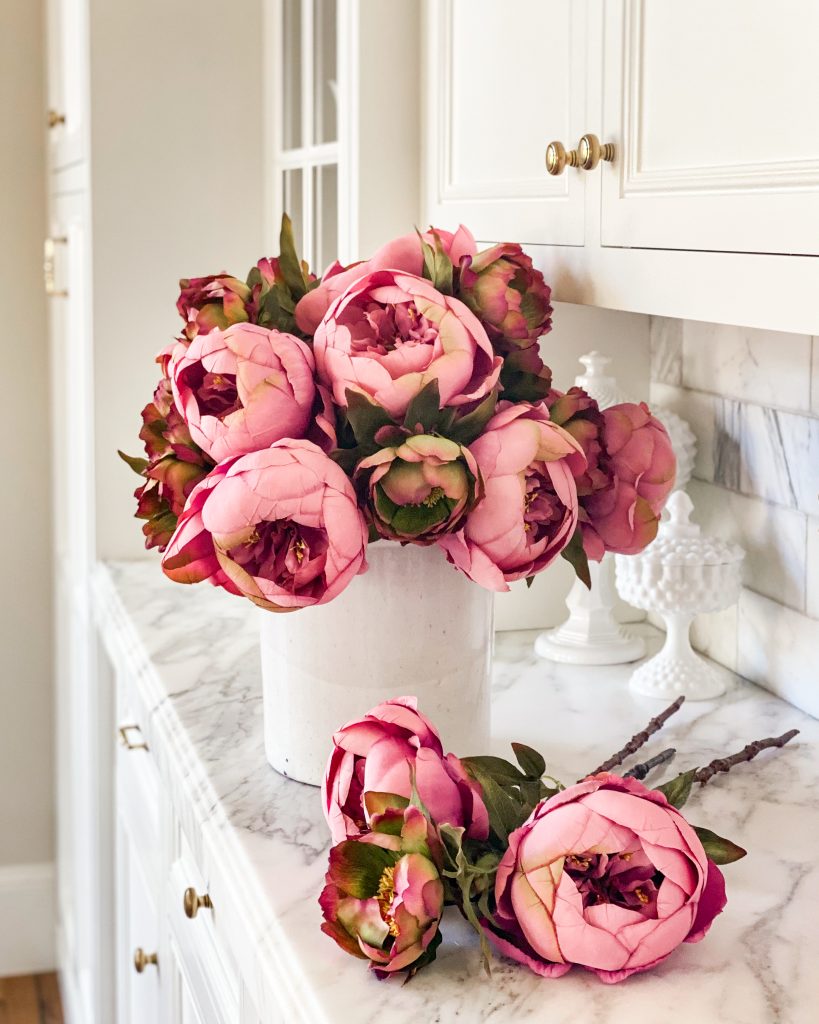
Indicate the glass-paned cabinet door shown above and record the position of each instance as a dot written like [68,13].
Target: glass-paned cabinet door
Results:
[304,108]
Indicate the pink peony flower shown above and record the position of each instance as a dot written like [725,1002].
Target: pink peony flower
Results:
[217,300]
[391,333]
[607,875]
[279,526]
[420,488]
[373,755]
[624,517]
[384,896]
[508,296]
[402,253]
[243,388]
[529,511]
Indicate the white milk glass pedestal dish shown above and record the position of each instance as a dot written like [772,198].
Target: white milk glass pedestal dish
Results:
[410,626]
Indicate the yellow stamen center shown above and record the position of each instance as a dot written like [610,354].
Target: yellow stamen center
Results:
[641,896]
[300,549]
[433,497]
[385,896]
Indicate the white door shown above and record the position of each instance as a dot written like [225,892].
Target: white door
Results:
[502,81]
[67,87]
[712,107]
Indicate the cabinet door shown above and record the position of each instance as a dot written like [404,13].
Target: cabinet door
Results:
[67,86]
[138,977]
[502,81]
[713,110]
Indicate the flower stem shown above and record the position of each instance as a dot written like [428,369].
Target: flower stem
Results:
[725,764]
[639,738]
[639,771]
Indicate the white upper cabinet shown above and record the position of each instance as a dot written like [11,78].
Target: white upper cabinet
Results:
[67,89]
[706,203]
[503,81]
[713,108]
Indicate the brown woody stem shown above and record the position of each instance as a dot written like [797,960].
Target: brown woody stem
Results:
[725,764]
[639,771]
[639,738]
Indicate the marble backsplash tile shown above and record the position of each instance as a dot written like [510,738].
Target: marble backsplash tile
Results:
[752,400]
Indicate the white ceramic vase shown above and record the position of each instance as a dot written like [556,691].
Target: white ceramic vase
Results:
[410,626]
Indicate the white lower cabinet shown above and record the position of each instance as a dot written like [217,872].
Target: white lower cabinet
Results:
[173,964]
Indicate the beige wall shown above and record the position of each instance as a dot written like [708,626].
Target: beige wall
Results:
[26,744]
[177,191]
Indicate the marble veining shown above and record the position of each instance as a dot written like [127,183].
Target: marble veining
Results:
[192,655]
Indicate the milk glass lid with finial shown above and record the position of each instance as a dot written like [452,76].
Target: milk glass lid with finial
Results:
[681,542]
[597,382]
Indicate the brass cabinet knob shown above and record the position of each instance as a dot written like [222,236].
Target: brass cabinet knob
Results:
[55,119]
[590,152]
[193,903]
[143,960]
[557,159]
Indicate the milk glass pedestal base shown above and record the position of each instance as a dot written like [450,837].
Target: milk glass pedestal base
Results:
[591,635]
[410,626]
[677,669]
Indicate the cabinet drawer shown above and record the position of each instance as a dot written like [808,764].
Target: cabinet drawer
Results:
[138,799]
[209,980]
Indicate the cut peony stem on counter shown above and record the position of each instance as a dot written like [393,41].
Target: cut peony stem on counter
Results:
[748,753]
[640,770]
[639,739]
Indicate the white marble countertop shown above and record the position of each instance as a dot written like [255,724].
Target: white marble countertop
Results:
[194,655]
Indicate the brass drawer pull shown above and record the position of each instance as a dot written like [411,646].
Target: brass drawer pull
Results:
[143,960]
[558,159]
[127,742]
[49,246]
[54,119]
[193,903]
[590,152]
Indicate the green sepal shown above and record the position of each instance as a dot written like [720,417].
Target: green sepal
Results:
[437,265]
[575,555]
[677,791]
[358,867]
[717,849]
[138,465]
[529,581]
[379,803]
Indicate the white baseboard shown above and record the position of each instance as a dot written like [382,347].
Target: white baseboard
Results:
[27,919]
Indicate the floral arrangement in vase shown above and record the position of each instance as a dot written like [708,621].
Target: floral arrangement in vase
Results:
[404,399]
[606,874]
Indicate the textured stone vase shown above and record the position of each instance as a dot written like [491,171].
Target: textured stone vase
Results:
[410,626]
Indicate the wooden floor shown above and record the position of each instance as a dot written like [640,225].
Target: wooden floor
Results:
[34,999]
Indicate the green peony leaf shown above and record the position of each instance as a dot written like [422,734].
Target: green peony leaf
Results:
[378,803]
[137,465]
[501,770]
[365,417]
[717,849]
[470,427]
[425,409]
[575,555]
[289,262]
[676,791]
[531,761]
[437,265]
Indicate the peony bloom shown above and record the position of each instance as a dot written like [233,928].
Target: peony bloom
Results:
[420,489]
[579,415]
[373,755]
[279,526]
[384,896]
[607,875]
[390,334]
[173,467]
[624,517]
[217,300]
[402,253]
[529,510]
[508,296]
[243,388]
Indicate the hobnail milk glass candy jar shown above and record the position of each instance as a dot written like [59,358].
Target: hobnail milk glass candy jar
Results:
[679,575]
